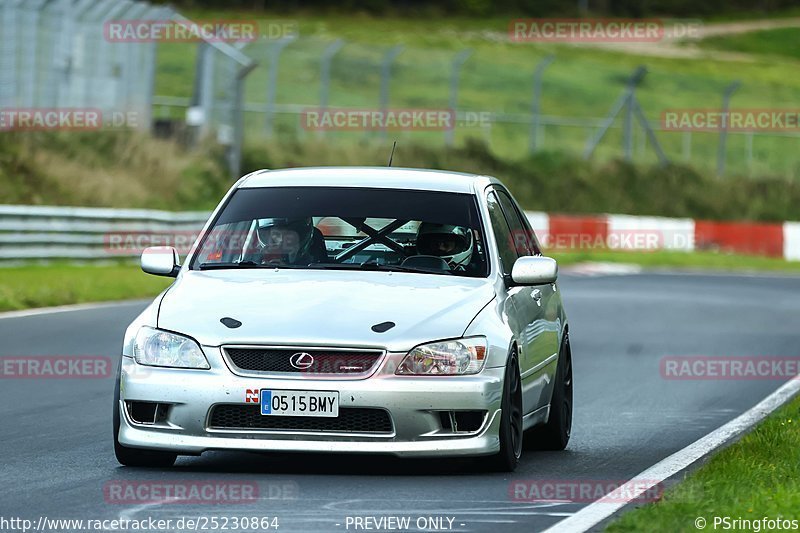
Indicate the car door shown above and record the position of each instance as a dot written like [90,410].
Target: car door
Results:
[539,313]
[518,298]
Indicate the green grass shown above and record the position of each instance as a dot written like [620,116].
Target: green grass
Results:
[558,183]
[108,169]
[583,82]
[757,477]
[681,260]
[781,43]
[62,284]
[122,170]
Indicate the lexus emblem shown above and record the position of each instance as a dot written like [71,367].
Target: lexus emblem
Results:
[301,360]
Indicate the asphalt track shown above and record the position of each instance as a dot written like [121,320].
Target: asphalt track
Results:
[56,434]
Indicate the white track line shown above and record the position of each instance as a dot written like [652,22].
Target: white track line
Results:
[67,308]
[594,513]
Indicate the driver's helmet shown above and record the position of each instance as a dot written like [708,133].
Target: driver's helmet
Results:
[451,243]
[285,239]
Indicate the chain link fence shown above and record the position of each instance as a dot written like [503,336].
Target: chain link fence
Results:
[54,54]
[57,54]
[514,111]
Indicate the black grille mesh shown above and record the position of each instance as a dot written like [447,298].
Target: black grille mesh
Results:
[350,420]
[325,362]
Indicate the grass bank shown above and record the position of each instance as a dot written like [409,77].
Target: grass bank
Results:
[120,169]
[711,261]
[63,284]
[757,477]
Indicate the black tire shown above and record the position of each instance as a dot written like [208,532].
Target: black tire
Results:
[554,435]
[507,459]
[135,456]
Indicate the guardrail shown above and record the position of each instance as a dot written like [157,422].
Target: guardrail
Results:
[87,233]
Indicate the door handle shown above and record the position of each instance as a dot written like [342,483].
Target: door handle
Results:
[536,294]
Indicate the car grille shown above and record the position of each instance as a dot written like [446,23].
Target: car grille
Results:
[350,420]
[321,361]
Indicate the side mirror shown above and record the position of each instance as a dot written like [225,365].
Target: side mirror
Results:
[534,270]
[161,261]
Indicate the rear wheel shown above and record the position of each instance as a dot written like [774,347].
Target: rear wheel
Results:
[507,459]
[135,456]
[554,435]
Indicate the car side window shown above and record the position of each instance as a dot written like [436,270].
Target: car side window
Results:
[519,231]
[533,242]
[502,233]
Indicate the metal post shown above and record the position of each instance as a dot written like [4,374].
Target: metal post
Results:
[325,76]
[325,70]
[8,54]
[455,76]
[245,66]
[28,77]
[272,82]
[202,80]
[687,145]
[101,11]
[748,148]
[627,131]
[206,100]
[625,99]
[537,94]
[386,73]
[149,81]
[723,134]
[126,86]
[235,153]
[662,157]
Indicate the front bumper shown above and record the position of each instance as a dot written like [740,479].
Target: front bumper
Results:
[413,403]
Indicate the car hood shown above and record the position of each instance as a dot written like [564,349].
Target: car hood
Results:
[322,307]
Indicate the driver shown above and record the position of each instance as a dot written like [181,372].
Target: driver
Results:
[287,240]
[454,244]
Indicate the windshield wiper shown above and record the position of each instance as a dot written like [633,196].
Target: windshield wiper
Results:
[231,264]
[247,264]
[369,265]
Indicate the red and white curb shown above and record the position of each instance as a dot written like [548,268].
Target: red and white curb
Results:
[642,233]
[596,268]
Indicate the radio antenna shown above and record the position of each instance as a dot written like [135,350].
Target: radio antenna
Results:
[391,156]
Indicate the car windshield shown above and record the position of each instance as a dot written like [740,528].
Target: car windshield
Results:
[425,232]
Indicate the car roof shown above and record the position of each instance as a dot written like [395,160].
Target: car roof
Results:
[368,177]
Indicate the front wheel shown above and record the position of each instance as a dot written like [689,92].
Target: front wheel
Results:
[507,459]
[554,435]
[134,456]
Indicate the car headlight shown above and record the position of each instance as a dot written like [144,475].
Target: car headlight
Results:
[445,358]
[154,347]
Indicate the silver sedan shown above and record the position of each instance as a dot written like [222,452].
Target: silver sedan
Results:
[359,310]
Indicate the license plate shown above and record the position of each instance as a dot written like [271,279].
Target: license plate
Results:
[299,403]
